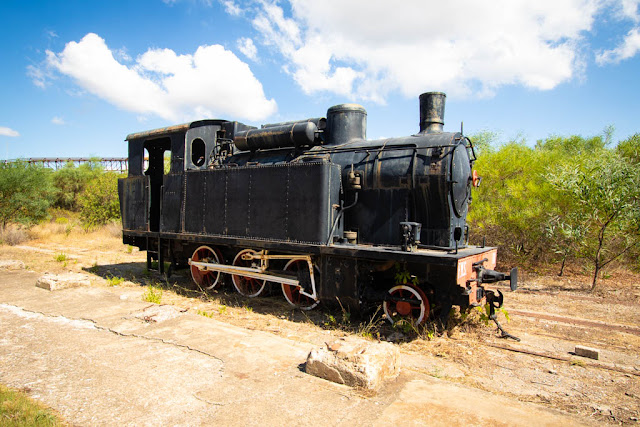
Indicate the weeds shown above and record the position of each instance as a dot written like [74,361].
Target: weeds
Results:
[152,294]
[205,313]
[94,268]
[371,329]
[115,280]
[61,257]
[485,316]
[129,249]
[13,235]
[222,309]
[345,319]
[437,373]
[17,409]
[403,277]
[406,327]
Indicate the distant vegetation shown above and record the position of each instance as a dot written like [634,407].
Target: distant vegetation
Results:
[26,193]
[29,193]
[566,198]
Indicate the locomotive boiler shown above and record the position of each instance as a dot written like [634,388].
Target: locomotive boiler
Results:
[315,208]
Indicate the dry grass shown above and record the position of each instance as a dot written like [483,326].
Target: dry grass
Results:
[13,235]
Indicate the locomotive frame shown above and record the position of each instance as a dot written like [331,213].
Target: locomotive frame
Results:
[315,207]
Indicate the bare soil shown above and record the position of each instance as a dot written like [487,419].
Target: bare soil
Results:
[550,314]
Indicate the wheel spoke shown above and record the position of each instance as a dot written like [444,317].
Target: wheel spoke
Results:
[205,279]
[416,310]
[247,286]
[292,293]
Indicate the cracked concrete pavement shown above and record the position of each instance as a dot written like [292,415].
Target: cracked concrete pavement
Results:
[84,352]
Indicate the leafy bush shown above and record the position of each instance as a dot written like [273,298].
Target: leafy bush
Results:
[629,149]
[25,193]
[71,181]
[605,195]
[99,202]
[513,203]
[567,197]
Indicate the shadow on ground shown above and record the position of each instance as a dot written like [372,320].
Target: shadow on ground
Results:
[370,322]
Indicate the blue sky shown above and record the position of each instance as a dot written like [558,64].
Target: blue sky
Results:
[77,76]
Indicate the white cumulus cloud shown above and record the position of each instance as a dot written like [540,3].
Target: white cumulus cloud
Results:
[4,131]
[248,48]
[58,121]
[369,48]
[232,8]
[627,49]
[164,83]
[629,9]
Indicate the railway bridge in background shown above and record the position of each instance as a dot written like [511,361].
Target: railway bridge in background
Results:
[111,164]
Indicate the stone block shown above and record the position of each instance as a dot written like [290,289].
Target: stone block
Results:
[355,362]
[54,282]
[591,353]
[11,264]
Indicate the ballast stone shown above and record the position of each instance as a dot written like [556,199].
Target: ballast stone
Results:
[55,282]
[355,362]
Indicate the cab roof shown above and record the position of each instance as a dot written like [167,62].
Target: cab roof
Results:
[172,129]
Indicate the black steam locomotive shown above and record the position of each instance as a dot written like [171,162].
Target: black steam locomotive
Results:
[315,208]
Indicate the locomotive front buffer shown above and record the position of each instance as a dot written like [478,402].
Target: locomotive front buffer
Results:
[478,270]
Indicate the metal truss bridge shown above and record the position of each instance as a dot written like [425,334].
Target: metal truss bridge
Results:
[112,164]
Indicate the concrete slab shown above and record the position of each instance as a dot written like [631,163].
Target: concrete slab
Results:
[435,402]
[56,282]
[83,352]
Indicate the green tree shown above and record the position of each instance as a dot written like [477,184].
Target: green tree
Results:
[99,202]
[70,182]
[25,193]
[566,236]
[483,141]
[575,145]
[514,201]
[629,149]
[605,193]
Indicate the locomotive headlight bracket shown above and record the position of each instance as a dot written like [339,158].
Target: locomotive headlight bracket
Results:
[475,179]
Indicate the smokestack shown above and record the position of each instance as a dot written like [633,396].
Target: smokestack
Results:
[432,112]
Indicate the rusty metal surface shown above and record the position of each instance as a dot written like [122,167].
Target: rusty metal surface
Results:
[170,129]
[466,273]
[160,131]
